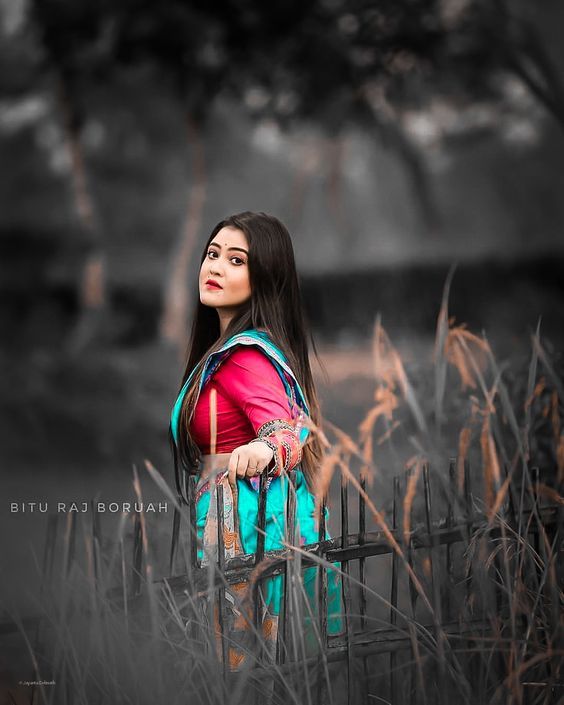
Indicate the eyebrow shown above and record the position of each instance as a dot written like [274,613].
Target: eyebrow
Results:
[239,249]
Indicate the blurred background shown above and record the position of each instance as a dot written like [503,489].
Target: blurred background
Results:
[394,138]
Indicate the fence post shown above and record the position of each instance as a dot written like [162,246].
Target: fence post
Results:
[193,533]
[361,575]
[220,606]
[259,555]
[469,512]
[322,608]
[408,546]
[435,588]
[450,494]
[175,538]
[290,540]
[351,690]
[394,591]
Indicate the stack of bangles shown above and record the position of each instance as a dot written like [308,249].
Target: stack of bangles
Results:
[281,437]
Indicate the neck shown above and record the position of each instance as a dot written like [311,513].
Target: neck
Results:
[225,318]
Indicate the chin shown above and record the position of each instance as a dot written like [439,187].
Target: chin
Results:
[207,300]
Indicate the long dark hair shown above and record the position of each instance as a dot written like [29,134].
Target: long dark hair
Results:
[276,307]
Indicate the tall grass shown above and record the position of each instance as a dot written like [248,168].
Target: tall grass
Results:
[488,631]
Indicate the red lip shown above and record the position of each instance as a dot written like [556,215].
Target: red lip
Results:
[213,284]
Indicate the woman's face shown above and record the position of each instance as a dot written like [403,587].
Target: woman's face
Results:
[224,275]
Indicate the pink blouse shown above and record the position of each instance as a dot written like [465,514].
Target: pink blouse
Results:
[251,402]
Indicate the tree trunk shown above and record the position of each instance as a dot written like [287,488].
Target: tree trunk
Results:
[174,319]
[335,200]
[392,134]
[309,162]
[92,287]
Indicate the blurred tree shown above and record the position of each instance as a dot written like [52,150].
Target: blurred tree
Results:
[69,35]
[179,41]
[409,71]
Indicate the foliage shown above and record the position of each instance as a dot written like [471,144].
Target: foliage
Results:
[327,60]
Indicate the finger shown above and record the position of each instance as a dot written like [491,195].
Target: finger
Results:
[256,463]
[242,464]
[253,470]
[261,466]
[232,467]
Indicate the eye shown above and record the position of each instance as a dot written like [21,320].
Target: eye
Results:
[211,252]
[239,260]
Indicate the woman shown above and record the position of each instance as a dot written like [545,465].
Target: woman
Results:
[242,408]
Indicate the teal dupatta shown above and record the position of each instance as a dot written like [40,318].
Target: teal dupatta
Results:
[277,493]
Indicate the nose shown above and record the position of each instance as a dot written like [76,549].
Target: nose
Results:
[214,268]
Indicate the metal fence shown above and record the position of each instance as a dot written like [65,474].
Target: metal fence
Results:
[429,561]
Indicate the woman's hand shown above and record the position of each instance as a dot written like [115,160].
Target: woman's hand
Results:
[249,460]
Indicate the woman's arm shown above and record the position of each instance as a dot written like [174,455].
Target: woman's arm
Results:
[251,381]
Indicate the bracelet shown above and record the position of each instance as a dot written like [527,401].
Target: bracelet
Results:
[273,447]
[278,434]
[268,428]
